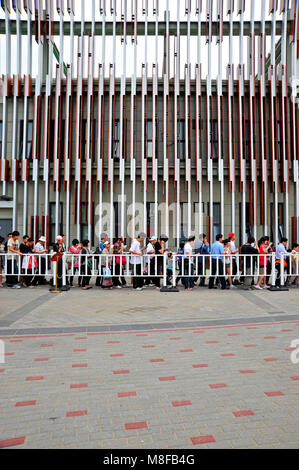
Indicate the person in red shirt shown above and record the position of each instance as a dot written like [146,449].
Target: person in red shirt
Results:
[263,251]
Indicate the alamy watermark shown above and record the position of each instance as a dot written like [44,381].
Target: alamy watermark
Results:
[295,354]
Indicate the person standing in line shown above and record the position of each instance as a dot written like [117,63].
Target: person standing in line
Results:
[234,251]
[180,252]
[1,259]
[201,247]
[13,248]
[150,260]
[9,236]
[85,268]
[281,251]
[24,244]
[99,266]
[119,263]
[217,260]
[249,262]
[104,238]
[75,249]
[31,281]
[159,252]
[263,252]
[58,248]
[136,261]
[107,282]
[189,264]
[271,249]
[24,250]
[41,250]
[63,242]
[228,261]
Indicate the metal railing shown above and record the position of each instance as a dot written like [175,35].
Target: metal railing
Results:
[169,269]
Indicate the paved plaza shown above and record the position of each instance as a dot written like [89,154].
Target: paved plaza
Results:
[121,369]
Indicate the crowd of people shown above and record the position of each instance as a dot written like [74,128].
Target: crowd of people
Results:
[147,262]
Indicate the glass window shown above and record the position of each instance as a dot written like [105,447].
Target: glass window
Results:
[53,221]
[216,219]
[248,226]
[150,219]
[214,139]
[184,221]
[116,141]
[84,223]
[279,140]
[28,153]
[181,139]
[246,148]
[281,215]
[149,139]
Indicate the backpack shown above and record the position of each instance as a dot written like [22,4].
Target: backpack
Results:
[204,249]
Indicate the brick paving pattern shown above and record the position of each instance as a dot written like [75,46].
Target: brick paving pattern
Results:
[227,387]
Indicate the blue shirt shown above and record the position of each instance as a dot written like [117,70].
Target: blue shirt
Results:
[280,250]
[217,249]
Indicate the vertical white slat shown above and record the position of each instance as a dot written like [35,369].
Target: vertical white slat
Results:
[121,120]
[241,96]
[219,114]
[5,97]
[230,119]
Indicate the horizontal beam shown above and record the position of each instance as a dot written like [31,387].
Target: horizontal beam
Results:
[151,28]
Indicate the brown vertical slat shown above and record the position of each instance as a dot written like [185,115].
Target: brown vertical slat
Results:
[31,226]
[294,229]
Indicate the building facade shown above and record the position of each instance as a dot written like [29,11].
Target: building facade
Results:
[204,140]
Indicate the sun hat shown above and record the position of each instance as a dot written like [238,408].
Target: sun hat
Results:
[42,239]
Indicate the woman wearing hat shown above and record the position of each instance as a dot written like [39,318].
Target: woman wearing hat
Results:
[40,249]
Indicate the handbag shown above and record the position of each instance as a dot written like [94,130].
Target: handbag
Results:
[284,262]
[107,282]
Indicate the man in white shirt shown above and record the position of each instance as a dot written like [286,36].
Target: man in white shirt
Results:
[150,260]
[136,261]
[188,264]
[234,251]
[40,249]
[13,249]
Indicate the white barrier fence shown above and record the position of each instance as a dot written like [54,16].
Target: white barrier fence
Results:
[170,269]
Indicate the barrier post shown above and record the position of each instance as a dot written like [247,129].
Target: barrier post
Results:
[164,287]
[273,270]
[63,271]
[281,270]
